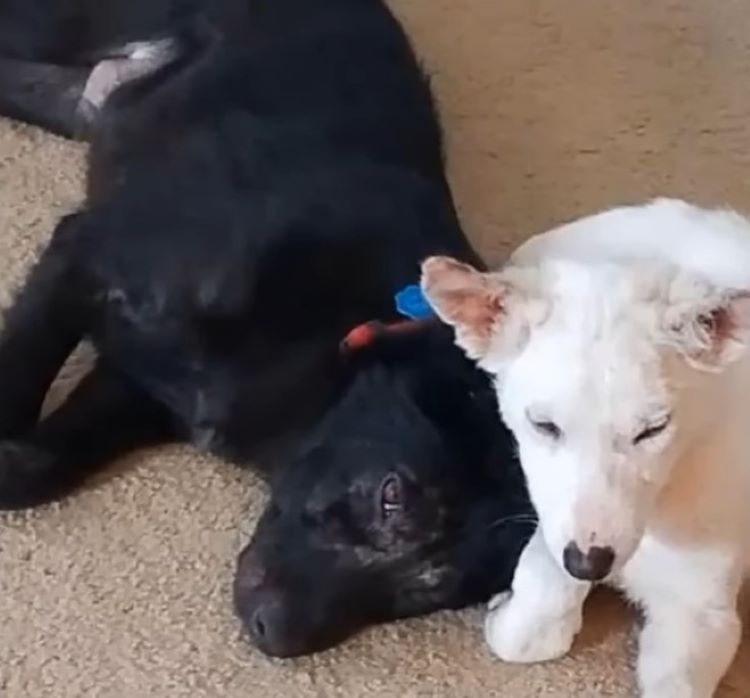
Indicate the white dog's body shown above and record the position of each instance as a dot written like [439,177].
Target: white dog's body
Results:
[618,343]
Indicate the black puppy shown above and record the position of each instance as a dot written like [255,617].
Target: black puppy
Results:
[264,177]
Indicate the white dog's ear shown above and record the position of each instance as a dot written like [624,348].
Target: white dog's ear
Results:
[710,327]
[485,309]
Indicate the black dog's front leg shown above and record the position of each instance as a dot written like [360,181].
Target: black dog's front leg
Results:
[104,417]
[41,328]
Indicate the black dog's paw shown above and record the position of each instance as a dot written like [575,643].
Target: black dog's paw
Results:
[25,472]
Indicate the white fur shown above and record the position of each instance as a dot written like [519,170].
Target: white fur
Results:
[624,344]
[131,62]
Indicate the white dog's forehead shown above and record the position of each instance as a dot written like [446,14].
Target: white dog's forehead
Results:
[594,360]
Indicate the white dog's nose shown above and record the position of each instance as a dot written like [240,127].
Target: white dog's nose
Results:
[592,566]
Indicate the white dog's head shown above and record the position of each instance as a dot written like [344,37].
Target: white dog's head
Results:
[601,373]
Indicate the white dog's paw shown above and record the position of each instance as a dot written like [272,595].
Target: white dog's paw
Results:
[519,633]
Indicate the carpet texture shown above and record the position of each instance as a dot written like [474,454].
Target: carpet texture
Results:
[552,110]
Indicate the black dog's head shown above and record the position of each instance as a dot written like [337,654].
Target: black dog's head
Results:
[406,500]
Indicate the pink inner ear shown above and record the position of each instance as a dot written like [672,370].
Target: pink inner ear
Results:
[477,311]
[724,330]
[731,321]
[461,295]
[718,324]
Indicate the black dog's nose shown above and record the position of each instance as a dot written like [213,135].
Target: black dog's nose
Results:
[270,629]
[592,566]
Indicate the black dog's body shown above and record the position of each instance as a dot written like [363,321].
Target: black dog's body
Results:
[268,188]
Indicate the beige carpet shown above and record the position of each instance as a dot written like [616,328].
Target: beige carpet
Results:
[552,109]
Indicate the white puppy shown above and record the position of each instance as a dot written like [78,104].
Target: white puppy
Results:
[618,347]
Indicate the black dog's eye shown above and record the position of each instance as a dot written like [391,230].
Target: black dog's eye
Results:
[653,430]
[391,495]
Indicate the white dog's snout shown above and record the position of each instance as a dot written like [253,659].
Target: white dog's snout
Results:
[605,530]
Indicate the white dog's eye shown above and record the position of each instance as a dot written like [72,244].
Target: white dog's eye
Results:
[653,430]
[547,428]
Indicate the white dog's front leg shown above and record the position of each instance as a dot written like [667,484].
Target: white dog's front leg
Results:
[539,619]
[692,631]
[685,651]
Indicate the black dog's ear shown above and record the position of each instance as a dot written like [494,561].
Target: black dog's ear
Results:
[457,398]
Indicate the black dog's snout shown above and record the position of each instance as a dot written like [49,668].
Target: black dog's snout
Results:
[269,628]
[263,608]
[592,566]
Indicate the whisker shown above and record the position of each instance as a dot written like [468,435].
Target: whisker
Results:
[518,518]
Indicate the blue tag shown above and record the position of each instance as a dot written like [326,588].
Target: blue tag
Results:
[411,303]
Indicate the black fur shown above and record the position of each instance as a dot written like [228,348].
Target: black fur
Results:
[249,203]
